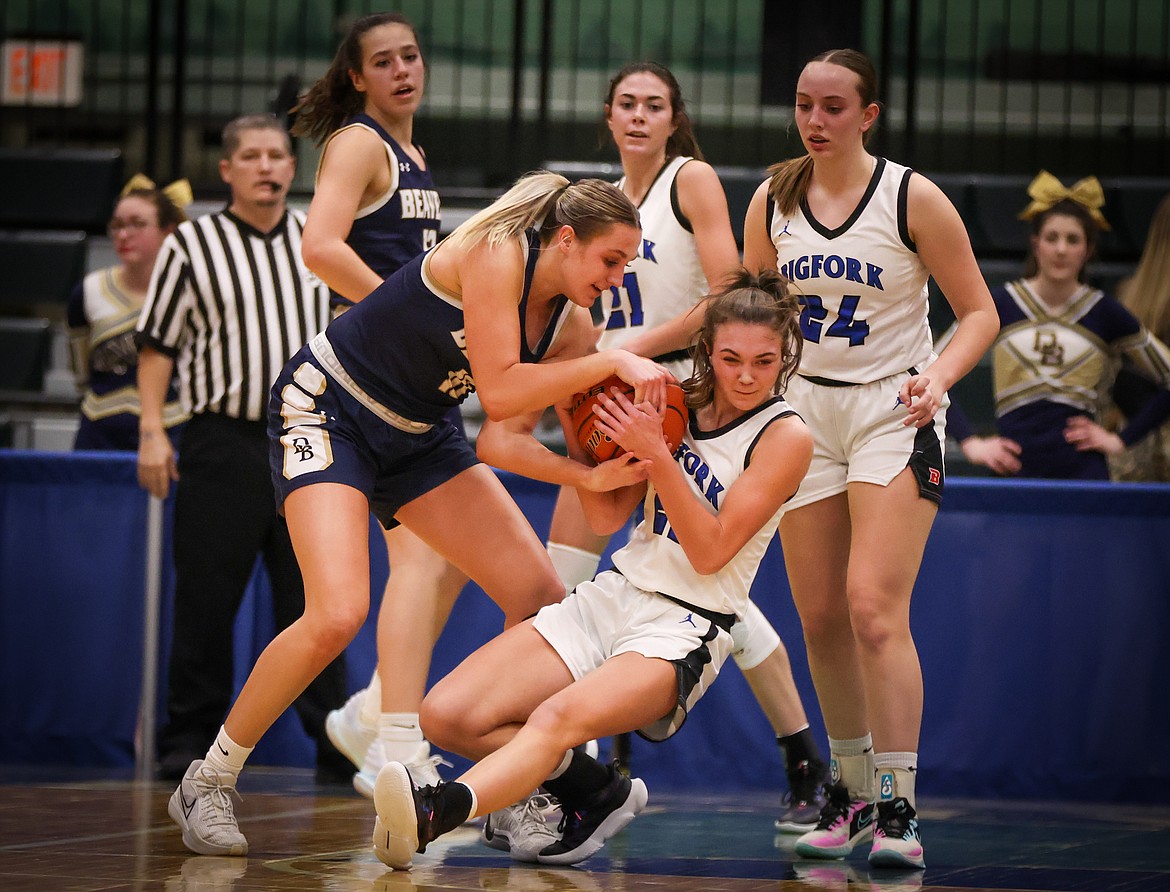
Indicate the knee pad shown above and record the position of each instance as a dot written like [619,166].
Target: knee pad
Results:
[573,565]
[753,638]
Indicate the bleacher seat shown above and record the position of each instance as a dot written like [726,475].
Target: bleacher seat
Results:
[39,267]
[59,188]
[24,356]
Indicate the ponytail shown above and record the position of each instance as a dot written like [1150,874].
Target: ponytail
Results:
[548,201]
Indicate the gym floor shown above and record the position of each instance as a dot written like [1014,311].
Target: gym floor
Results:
[85,831]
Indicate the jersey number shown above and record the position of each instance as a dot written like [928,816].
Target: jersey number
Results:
[618,318]
[846,325]
[661,523]
[430,238]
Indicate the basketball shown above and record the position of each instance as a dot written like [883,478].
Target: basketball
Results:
[601,448]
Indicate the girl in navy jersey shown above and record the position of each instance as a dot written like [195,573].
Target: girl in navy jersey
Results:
[638,646]
[374,209]
[357,423]
[859,236]
[688,250]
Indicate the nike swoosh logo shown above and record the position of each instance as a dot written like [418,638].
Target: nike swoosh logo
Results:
[864,820]
[408,727]
[188,807]
[221,749]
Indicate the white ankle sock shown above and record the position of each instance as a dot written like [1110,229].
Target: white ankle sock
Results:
[226,757]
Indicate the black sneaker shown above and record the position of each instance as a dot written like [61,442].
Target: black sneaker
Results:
[585,827]
[805,797]
[406,816]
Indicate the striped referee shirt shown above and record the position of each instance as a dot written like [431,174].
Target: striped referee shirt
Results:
[231,305]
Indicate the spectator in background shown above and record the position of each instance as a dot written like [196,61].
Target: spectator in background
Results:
[1147,295]
[229,302]
[1059,344]
[103,310]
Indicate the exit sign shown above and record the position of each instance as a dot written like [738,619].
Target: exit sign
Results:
[41,71]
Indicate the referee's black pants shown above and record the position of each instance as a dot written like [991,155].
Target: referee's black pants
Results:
[225,515]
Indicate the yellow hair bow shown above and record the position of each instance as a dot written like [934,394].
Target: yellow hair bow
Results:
[179,192]
[1046,190]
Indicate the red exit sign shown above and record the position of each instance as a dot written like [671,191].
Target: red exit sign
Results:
[41,71]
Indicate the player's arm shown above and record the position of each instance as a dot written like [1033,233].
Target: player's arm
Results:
[704,204]
[945,249]
[758,251]
[710,539]
[353,164]
[509,444]
[491,280]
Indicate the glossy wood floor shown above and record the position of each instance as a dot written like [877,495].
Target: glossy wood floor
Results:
[86,833]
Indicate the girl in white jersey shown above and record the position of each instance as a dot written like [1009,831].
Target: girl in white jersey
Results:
[859,236]
[687,250]
[636,647]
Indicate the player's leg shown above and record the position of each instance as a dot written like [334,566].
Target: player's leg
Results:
[763,659]
[882,573]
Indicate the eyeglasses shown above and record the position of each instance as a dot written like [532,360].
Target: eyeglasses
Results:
[116,226]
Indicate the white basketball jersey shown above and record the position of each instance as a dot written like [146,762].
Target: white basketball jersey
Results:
[863,286]
[665,279]
[712,461]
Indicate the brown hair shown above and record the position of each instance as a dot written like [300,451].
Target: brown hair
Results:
[1066,207]
[333,99]
[788,183]
[762,298]
[170,214]
[682,141]
[236,126]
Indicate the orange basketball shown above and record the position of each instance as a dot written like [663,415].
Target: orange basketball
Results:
[601,448]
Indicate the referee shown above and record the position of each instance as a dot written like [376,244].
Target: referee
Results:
[229,302]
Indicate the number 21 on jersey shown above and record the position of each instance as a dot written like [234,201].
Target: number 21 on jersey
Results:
[625,309]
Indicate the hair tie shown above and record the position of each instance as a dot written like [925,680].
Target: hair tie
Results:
[1046,190]
[178,193]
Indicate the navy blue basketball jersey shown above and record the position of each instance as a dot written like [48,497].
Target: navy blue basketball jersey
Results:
[403,222]
[404,345]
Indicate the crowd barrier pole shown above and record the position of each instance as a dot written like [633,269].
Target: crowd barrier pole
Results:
[144,755]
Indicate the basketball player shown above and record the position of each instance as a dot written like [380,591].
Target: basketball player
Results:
[357,423]
[687,250]
[374,209]
[859,235]
[638,646]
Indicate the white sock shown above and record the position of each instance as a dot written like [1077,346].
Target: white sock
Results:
[399,726]
[896,774]
[573,565]
[372,702]
[226,757]
[851,763]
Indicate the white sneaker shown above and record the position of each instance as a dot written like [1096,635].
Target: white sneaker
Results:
[202,807]
[423,767]
[521,829]
[346,730]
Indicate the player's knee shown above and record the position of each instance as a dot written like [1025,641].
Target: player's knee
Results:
[552,721]
[873,626]
[334,628]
